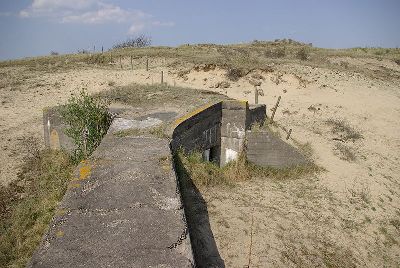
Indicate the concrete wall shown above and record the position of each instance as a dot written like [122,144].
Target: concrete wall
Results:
[54,130]
[265,149]
[220,126]
[199,130]
[233,129]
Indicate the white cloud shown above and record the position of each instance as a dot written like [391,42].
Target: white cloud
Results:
[62,4]
[106,13]
[136,28]
[56,8]
[91,12]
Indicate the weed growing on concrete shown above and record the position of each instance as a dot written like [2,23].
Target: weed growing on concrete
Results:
[28,205]
[88,119]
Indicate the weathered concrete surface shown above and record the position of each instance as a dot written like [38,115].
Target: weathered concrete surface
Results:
[265,149]
[123,209]
[233,129]
[54,130]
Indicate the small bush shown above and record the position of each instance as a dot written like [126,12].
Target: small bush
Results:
[397,61]
[88,119]
[303,54]
[234,74]
[54,53]
[136,42]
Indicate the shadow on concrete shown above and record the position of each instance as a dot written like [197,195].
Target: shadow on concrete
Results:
[205,251]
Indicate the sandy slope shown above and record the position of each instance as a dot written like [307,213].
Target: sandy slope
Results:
[346,216]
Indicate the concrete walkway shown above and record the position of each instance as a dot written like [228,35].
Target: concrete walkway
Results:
[123,209]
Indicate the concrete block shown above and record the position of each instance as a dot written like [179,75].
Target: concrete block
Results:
[265,149]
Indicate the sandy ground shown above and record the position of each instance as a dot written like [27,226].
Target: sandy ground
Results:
[345,217]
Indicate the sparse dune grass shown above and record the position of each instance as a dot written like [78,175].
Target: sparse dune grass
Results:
[28,205]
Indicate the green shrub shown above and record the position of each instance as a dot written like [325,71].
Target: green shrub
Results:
[88,119]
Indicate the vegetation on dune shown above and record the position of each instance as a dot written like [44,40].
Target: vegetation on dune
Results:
[134,42]
[241,58]
[28,205]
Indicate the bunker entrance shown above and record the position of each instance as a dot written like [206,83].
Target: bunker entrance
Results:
[212,154]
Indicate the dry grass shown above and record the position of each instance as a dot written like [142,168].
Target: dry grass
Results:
[205,173]
[28,205]
[243,57]
[343,131]
[345,152]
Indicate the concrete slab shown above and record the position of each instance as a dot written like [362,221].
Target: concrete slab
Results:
[123,209]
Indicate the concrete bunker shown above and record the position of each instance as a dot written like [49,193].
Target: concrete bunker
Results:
[219,130]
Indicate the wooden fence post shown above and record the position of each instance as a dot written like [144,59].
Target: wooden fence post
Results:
[288,135]
[147,64]
[275,108]
[162,77]
[131,63]
[255,95]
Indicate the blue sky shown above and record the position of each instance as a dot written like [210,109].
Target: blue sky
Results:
[32,28]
